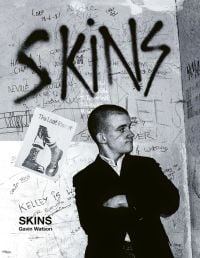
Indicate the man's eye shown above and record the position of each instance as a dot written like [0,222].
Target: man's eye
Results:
[122,130]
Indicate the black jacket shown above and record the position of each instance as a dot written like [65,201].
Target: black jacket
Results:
[149,194]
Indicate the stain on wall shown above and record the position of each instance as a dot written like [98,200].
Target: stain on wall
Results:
[128,55]
[189,37]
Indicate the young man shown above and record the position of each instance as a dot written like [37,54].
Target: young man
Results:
[121,197]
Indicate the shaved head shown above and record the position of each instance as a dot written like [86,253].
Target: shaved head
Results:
[97,121]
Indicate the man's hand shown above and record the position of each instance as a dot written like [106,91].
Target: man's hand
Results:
[117,201]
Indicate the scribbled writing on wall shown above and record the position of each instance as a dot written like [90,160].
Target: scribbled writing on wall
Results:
[192,92]
[68,59]
[193,69]
[15,121]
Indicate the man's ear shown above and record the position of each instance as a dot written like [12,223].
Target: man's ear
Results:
[101,138]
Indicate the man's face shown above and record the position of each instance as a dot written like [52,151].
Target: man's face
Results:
[117,133]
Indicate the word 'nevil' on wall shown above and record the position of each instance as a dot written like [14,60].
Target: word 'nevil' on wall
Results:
[68,59]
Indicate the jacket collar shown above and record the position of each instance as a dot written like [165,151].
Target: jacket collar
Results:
[104,166]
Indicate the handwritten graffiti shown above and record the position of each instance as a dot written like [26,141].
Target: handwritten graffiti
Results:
[193,69]
[68,59]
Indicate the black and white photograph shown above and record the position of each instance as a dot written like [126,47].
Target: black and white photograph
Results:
[99,129]
[42,138]
[120,198]
[43,147]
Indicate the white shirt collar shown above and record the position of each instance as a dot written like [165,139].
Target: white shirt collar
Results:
[115,165]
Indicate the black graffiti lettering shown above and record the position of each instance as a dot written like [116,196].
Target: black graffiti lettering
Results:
[109,41]
[35,36]
[64,35]
[132,25]
[145,47]
[69,61]
[93,43]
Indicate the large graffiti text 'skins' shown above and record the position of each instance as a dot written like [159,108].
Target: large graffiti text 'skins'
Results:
[109,43]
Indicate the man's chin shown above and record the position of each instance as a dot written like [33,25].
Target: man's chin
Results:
[128,150]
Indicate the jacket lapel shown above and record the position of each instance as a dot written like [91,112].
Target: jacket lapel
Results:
[105,169]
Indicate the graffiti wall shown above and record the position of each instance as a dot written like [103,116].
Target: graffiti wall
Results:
[69,57]
[188,20]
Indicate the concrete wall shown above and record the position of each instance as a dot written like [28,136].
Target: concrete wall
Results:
[158,117]
[189,37]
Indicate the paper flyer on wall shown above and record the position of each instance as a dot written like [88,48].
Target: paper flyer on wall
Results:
[45,144]
[94,93]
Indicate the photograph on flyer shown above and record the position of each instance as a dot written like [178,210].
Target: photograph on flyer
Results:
[44,150]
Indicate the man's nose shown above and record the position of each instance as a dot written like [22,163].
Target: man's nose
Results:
[130,134]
